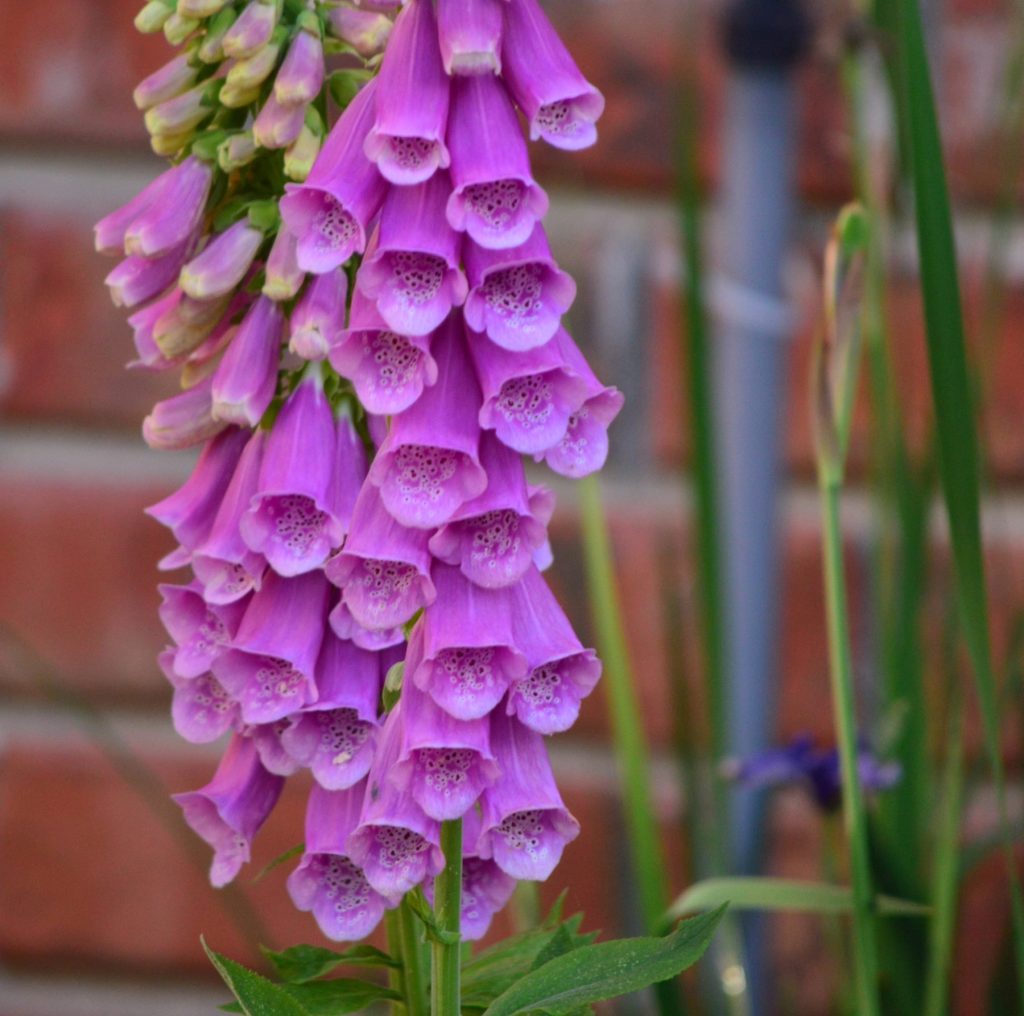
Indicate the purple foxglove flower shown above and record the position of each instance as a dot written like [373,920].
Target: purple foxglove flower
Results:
[525,826]
[562,673]
[584,447]
[268,738]
[224,564]
[560,104]
[270,668]
[395,843]
[336,737]
[201,710]
[327,882]
[528,396]
[200,632]
[109,232]
[407,137]
[283,276]
[443,762]
[319,315]
[428,465]
[165,83]
[470,657]
[174,212]
[292,518]
[302,74]
[384,568]
[252,31]
[388,371]
[182,420]
[517,296]
[365,31]
[485,887]
[278,125]
[413,271]
[469,32]
[494,537]
[495,198]
[223,263]
[345,626]
[142,323]
[136,279]
[189,512]
[331,211]
[245,380]
[230,809]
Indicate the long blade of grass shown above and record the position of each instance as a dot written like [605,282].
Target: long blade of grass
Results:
[954,410]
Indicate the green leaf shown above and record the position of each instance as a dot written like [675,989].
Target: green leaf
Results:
[782,894]
[279,860]
[257,995]
[607,970]
[307,962]
[344,85]
[559,944]
[340,996]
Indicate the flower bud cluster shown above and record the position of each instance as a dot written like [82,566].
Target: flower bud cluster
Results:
[368,326]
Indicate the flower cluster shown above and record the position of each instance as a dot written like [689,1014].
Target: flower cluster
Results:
[368,323]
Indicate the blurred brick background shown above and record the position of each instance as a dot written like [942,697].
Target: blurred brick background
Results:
[102,891]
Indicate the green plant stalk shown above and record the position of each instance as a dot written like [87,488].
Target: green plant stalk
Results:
[414,956]
[946,878]
[954,412]
[445,990]
[627,729]
[865,954]
[396,975]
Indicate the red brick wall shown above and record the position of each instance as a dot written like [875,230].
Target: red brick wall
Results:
[98,882]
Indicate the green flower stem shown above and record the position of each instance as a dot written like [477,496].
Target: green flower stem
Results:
[445,993]
[412,951]
[865,951]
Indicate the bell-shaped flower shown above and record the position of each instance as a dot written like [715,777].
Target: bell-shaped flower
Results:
[495,198]
[201,709]
[137,279]
[142,323]
[494,537]
[562,673]
[183,420]
[412,271]
[294,519]
[278,124]
[201,631]
[428,465]
[319,315]
[223,263]
[395,843]
[302,74]
[469,33]
[268,740]
[345,626]
[330,212]
[246,378]
[584,447]
[231,808]
[525,826]
[224,564]
[327,881]
[270,667]
[335,737]
[517,296]
[147,207]
[252,30]
[388,371]
[407,138]
[528,396]
[560,105]
[443,762]
[470,657]
[190,511]
[384,568]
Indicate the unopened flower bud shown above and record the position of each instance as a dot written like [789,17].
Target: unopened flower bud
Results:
[182,113]
[301,154]
[284,277]
[277,125]
[319,315]
[182,420]
[170,80]
[223,264]
[153,16]
[199,8]
[239,150]
[365,31]
[302,74]
[252,30]
[255,69]
[169,145]
[235,97]
[178,28]
[211,49]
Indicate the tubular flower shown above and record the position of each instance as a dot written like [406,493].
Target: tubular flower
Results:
[367,350]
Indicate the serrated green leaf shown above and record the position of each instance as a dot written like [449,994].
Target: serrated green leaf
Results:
[256,995]
[782,894]
[606,970]
[303,963]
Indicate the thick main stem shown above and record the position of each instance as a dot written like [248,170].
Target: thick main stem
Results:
[445,992]
[865,949]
